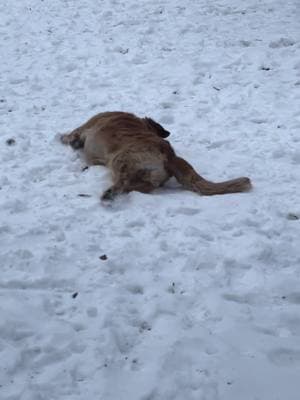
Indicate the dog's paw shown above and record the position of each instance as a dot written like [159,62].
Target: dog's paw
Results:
[77,143]
[62,137]
[108,195]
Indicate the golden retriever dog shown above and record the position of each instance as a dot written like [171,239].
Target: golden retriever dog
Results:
[139,157]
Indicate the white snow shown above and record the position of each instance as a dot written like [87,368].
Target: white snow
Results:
[199,297]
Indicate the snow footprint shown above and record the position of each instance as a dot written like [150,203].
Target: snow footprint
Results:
[282,42]
[135,289]
[171,212]
[284,357]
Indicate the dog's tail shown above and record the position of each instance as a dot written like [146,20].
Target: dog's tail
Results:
[188,177]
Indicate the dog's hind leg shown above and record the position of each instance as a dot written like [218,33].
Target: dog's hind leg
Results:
[140,181]
[115,190]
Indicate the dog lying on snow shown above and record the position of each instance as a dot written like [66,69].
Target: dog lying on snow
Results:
[139,157]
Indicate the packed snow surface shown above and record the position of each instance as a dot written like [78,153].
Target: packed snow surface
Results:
[168,296]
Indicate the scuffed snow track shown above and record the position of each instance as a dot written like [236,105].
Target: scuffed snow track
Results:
[198,297]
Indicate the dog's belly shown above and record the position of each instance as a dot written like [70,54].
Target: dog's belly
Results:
[94,151]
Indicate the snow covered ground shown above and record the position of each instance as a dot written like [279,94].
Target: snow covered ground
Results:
[198,298]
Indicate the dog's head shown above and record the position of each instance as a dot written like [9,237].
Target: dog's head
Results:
[156,127]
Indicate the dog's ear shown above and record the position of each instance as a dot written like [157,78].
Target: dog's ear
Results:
[156,127]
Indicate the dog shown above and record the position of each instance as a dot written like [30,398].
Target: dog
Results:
[139,156]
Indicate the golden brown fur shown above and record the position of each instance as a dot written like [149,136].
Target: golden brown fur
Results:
[139,157]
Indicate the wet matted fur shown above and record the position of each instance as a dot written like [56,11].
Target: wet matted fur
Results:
[139,157]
